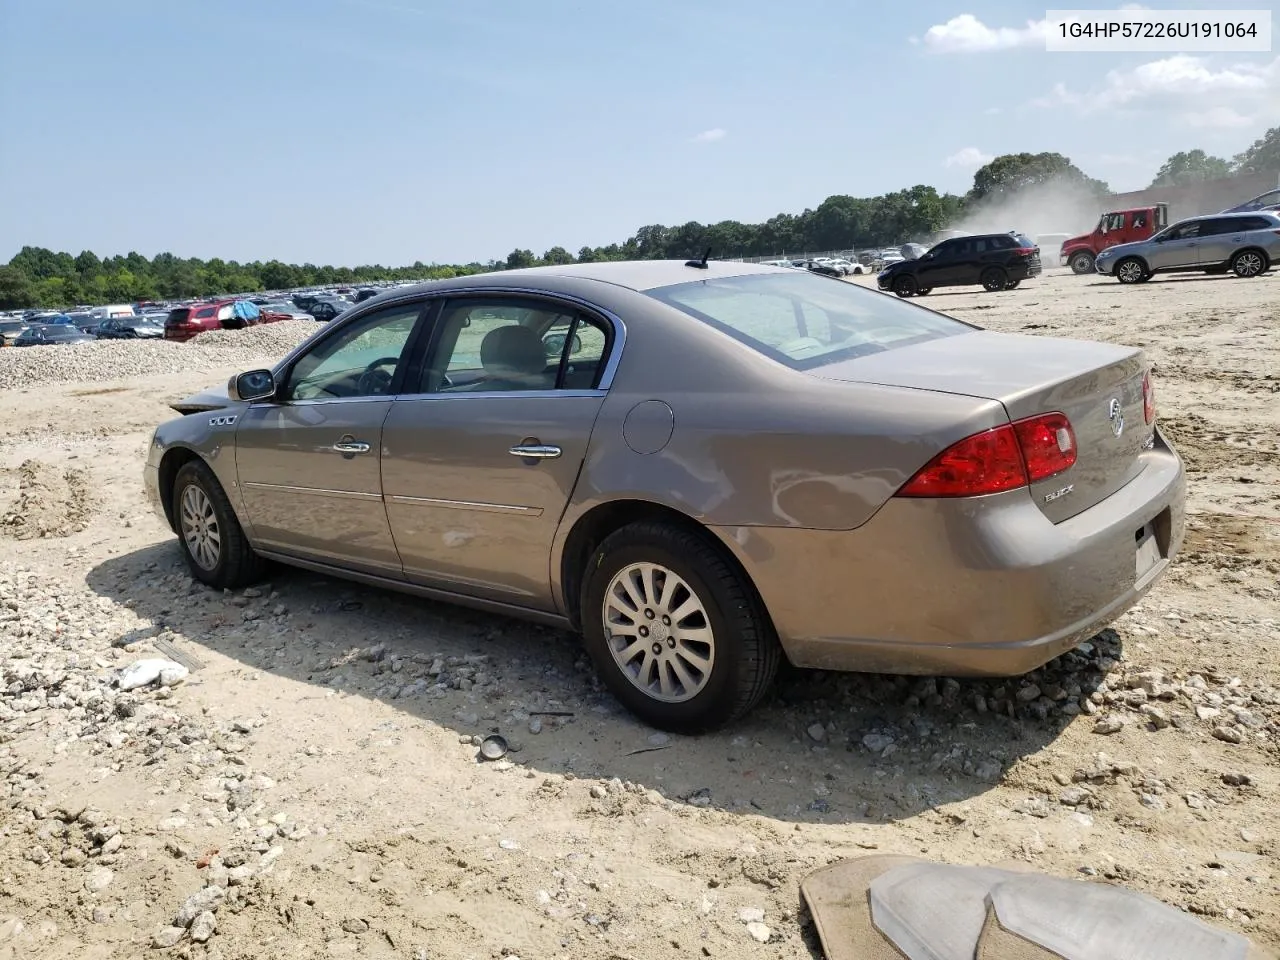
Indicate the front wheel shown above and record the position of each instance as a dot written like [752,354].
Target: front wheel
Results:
[905,287]
[1131,270]
[993,279]
[1249,263]
[677,634]
[212,540]
[1081,262]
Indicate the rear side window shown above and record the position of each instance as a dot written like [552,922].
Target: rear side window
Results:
[204,314]
[806,321]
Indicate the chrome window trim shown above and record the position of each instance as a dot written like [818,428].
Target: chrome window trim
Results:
[482,507]
[549,394]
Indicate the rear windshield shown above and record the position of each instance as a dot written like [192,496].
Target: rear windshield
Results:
[1023,240]
[179,315]
[806,321]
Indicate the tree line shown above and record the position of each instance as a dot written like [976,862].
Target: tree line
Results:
[40,277]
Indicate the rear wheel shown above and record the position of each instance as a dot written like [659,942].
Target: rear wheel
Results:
[1012,285]
[905,287]
[676,633]
[994,278]
[1249,263]
[1131,270]
[211,537]
[924,291]
[1081,262]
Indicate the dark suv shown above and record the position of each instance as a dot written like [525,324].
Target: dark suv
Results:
[997,261]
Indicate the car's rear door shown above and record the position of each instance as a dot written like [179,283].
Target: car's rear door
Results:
[308,462]
[479,464]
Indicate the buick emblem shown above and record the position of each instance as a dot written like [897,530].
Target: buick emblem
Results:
[1115,416]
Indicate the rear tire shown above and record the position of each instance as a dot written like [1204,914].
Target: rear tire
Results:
[210,536]
[1081,263]
[1012,285]
[924,291]
[994,279]
[709,661]
[905,287]
[1247,264]
[1131,270]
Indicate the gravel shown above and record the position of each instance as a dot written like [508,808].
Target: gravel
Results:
[101,360]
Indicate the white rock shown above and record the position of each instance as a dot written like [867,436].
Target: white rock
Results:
[759,932]
[751,915]
[203,926]
[142,673]
[99,879]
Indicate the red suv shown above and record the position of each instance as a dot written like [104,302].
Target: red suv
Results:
[183,323]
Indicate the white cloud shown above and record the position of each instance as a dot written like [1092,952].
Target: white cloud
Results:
[1182,81]
[1218,118]
[967,34]
[968,158]
[993,111]
[711,136]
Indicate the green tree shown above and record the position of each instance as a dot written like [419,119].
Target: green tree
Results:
[1190,166]
[1013,172]
[1264,155]
[518,259]
[557,256]
[16,289]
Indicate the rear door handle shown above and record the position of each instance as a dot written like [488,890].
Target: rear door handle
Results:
[535,451]
[351,446]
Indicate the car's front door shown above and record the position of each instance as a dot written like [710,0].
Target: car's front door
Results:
[938,267]
[1178,249]
[308,461]
[479,465]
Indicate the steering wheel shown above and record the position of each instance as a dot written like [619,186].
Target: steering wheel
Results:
[374,380]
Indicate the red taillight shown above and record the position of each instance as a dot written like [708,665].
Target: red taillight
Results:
[1000,459]
[1149,397]
[1026,251]
[1048,445]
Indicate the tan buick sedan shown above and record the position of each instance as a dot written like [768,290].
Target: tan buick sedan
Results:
[701,467]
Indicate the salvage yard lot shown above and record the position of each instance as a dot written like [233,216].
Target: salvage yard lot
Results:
[319,762]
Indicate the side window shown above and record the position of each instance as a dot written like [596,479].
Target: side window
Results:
[945,249]
[204,314]
[1212,228]
[1186,232]
[359,361]
[500,345]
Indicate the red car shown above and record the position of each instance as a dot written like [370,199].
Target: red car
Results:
[183,323]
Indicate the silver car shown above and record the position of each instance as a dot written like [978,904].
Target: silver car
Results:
[701,467]
[1246,244]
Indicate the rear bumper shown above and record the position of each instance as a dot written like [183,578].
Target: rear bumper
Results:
[986,587]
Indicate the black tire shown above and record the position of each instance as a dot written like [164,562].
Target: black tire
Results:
[1012,285]
[1131,270]
[745,652]
[236,564]
[994,279]
[905,287]
[1082,262]
[924,291]
[1249,263]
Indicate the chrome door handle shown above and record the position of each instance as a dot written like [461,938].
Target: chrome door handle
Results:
[351,446]
[535,451]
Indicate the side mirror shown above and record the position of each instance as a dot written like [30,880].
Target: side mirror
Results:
[554,345]
[251,386]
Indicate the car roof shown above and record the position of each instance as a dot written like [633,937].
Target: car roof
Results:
[638,275]
[1231,215]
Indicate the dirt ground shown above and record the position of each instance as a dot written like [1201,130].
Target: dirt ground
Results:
[314,787]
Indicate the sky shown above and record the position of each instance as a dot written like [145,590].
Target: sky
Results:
[390,131]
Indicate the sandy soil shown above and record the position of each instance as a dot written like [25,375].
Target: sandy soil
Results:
[317,769]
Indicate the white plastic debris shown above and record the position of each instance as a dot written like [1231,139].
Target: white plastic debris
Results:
[143,673]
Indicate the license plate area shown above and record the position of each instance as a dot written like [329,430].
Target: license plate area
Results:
[1147,552]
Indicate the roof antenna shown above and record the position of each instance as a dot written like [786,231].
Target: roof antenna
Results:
[700,264]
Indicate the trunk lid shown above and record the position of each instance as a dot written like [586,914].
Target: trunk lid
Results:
[1097,385]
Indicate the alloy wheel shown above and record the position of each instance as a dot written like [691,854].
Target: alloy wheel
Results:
[200,527]
[1248,264]
[1130,272]
[659,632]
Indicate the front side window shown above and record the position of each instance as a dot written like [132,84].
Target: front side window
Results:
[360,360]
[500,345]
[1185,232]
[805,321]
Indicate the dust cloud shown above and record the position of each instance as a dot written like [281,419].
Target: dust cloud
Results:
[1047,208]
